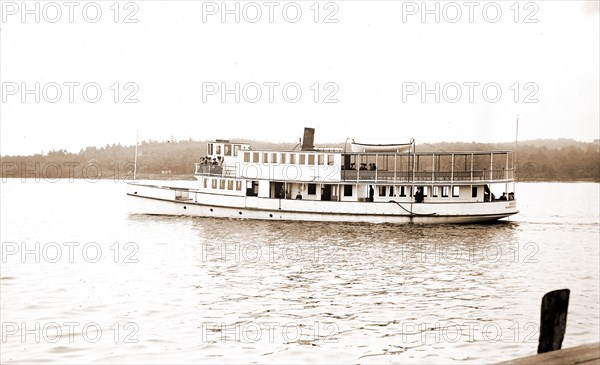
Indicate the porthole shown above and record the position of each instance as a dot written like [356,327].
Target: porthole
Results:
[271,215]
[184,207]
[240,213]
[211,209]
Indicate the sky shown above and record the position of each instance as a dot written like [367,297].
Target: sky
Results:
[370,70]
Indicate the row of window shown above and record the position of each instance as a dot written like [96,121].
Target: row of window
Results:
[226,150]
[400,191]
[312,189]
[436,191]
[289,158]
[223,184]
[384,190]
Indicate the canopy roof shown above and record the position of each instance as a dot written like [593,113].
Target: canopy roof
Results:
[364,147]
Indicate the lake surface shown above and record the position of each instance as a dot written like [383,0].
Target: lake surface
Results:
[83,282]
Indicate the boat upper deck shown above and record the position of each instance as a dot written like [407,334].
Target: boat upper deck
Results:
[336,166]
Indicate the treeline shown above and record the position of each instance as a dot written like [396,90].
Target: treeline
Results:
[538,160]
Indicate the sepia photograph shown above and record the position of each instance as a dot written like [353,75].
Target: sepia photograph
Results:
[300,182]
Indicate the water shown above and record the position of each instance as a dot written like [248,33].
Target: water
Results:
[115,288]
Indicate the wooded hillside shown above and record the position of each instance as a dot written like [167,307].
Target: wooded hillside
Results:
[538,160]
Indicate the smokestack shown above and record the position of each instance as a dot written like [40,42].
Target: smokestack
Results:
[308,142]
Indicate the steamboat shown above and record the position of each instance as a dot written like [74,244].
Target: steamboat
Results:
[376,183]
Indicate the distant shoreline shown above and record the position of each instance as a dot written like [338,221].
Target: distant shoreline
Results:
[539,160]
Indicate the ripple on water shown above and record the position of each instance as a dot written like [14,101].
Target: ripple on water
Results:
[311,292]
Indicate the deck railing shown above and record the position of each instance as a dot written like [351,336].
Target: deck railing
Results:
[431,167]
[426,176]
[205,169]
[216,170]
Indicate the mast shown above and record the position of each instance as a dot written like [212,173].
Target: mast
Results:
[412,165]
[515,162]
[136,154]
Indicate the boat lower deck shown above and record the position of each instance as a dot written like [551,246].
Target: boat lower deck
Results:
[147,199]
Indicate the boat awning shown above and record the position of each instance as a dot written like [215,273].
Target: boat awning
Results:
[364,147]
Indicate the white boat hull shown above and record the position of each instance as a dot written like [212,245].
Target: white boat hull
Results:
[144,199]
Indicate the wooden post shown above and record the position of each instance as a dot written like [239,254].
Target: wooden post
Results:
[433,167]
[553,322]
[452,170]
[376,167]
[396,165]
[491,167]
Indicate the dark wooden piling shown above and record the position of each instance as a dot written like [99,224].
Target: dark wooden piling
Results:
[553,322]
[555,305]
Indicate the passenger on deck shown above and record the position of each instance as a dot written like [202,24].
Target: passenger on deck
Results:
[503,197]
[419,197]
[363,166]
[371,193]
[299,196]
[372,167]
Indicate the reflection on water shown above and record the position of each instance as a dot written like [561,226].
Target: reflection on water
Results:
[180,289]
